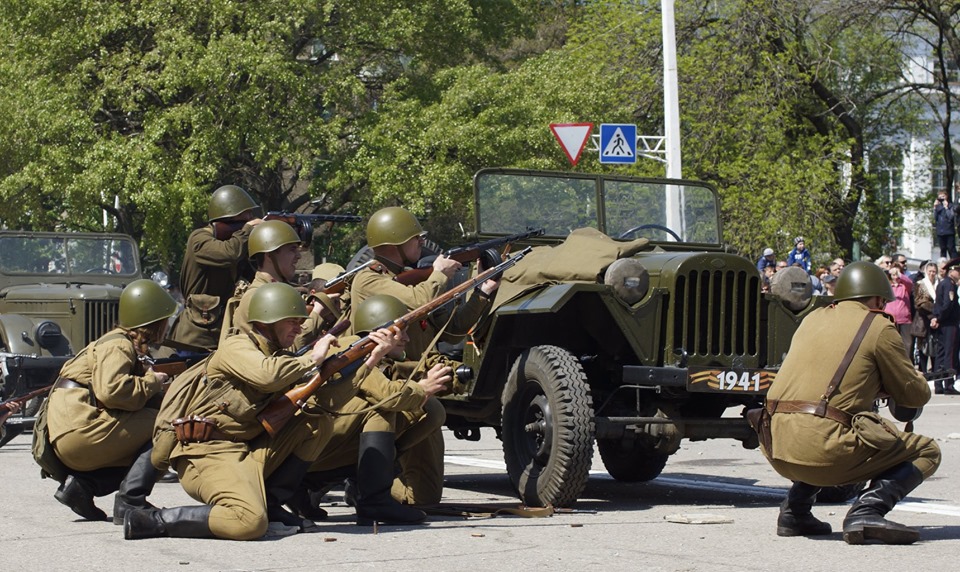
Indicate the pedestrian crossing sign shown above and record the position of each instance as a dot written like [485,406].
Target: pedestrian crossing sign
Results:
[618,143]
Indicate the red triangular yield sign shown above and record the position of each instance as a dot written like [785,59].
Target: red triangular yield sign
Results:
[572,137]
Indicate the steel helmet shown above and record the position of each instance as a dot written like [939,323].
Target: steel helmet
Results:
[376,311]
[328,271]
[229,201]
[392,225]
[274,302]
[144,302]
[863,280]
[271,235]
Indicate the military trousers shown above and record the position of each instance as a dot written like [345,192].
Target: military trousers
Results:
[419,446]
[111,440]
[230,476]
[866,463]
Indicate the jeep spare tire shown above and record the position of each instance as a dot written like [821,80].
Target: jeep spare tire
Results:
[547,427]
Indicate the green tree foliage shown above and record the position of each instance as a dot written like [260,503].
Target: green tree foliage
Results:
[157,103]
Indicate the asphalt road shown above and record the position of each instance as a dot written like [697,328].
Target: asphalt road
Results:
[713,509]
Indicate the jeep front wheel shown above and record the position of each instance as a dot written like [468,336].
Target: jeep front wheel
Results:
[547,427]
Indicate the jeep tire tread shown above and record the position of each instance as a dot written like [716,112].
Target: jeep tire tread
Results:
[547,427]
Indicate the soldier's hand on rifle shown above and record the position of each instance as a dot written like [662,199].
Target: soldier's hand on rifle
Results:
[446,265]
[8,409]
[161,376]
[253,222]
[387,340]
[322,348]
[437,380]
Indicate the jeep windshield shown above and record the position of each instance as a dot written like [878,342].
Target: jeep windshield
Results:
[59,255]
[663,210]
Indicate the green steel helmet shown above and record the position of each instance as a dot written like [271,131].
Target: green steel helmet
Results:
[863,280]
[144,302]
[229,201]
[376,311]
[274,302]
[271,235]
[392,225]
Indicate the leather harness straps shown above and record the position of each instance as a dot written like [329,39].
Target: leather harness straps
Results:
[822,408]
[67,383]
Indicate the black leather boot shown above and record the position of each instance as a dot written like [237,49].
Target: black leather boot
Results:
[136,485]
[795,517]
[77,493]
[374,479]
[281,487]
[180,522]
[865,520]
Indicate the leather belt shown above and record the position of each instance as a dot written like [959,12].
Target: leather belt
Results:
[67,383]
[810,407]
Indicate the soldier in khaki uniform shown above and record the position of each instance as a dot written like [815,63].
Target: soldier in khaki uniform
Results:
[396,238]
[99,418]
[275,251]
[222,453]
[386,418]
[837,446]
[210,267]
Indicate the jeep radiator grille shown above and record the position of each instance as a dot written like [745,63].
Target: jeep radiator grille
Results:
[717,313]
[99,318]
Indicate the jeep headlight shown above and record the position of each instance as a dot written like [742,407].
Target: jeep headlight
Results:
[48,335]
[629,279]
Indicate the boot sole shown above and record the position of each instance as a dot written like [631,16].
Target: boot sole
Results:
[784,531]
[885,535]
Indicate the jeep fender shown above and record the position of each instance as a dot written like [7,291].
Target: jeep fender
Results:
[12,330]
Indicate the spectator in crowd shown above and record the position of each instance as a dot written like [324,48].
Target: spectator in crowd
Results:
[924,295]
[781,264]
[946,317]
[799,255]
[884,262]
[945,215]
[767,260]
[829,284]
[941,268]
[900,306]
[837,266]
[767,275]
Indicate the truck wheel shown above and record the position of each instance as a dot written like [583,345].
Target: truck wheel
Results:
[547,427]
[631,461]
[841,493]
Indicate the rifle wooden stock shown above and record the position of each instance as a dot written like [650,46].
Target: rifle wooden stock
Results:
[279,411]
[463,255]
[27,397]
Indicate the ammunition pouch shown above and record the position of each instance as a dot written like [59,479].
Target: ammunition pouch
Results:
[203,310]
[874,431]
[195,429]
[759,418]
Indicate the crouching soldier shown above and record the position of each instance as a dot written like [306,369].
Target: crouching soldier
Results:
[100,418]
[823,428]
[381,423]
[219,448]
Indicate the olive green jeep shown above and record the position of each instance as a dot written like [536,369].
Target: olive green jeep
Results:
[58,292]
[673,342]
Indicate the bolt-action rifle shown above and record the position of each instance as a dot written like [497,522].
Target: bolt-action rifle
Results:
[175,365]
[467,253]
[302,223]
[339,284]
[21,400]
[279,411]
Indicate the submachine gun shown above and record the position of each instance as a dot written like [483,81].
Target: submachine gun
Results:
[279,411]
[302,223]
[487,250]
[910,414]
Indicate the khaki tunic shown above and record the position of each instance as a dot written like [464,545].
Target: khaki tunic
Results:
[207,279]
[245,374]
[369,282]
[87,436]
[821,451]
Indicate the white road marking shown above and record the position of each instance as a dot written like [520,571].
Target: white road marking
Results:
[687,483]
